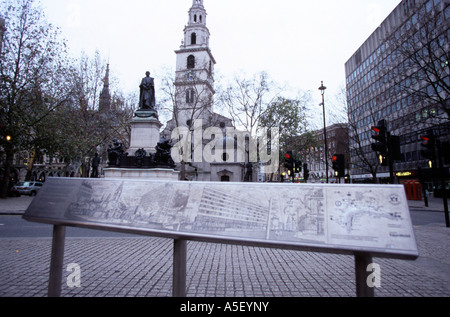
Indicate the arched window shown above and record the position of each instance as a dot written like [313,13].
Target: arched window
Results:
[190,94]
[195,18]
[193,38]
[191,62]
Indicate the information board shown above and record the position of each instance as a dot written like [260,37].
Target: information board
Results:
[330,218]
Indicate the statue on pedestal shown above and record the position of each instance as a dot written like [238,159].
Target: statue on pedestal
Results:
[147,100]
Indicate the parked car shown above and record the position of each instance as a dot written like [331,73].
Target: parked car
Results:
[28,188]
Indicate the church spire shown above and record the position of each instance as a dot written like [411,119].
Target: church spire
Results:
[197,14]
[196,33]
[105,96]
[197,3]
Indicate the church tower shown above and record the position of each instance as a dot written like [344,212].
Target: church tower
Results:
[194,99]
[194,83]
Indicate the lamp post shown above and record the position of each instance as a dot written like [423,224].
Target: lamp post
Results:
[322,89]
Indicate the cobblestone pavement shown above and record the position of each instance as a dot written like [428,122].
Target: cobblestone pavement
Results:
[142,267]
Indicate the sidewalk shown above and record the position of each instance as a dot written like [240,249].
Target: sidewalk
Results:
[142,267]
[434,204]
[14,205]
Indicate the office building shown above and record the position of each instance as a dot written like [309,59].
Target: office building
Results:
[400,74]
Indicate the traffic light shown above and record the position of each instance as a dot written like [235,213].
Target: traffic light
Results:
[298,166]
[339,165]
[289,161]
[429,148]
[383,160]
[305,172]
[380,136]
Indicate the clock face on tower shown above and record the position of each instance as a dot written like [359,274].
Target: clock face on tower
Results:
[190,75]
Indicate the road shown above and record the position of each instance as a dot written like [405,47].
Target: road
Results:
[16,227]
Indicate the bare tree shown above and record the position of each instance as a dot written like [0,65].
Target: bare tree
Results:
[362,157]
[417,62]
[84,130]
[89,79]
[33,70]
[248,98]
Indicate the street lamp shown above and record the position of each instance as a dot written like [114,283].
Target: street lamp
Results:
[322,89]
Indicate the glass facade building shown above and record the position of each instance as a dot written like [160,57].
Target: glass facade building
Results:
[400,75]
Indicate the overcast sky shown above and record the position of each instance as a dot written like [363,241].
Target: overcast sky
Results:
[298,42]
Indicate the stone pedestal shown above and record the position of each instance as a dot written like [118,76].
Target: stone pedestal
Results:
[151,164]
[144,132]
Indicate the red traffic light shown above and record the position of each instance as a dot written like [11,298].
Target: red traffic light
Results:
[377,130]
[288,156]
[426,139]
[339,164]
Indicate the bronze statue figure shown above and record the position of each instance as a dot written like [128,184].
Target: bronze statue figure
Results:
[147,98]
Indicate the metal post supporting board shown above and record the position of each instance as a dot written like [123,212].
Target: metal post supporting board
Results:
[57,258]
[179,268]
[362,261]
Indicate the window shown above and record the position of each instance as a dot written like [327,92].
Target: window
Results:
[190,96]
[430,91]
[408,157]
[414,19]
[193,38]
[429,6]
[191,62]
[225,157]
[358,58]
